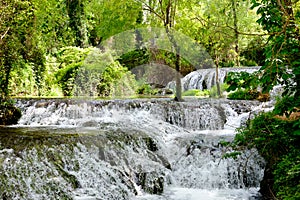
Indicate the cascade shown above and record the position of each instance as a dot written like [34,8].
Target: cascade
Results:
[205,78]
[127,149]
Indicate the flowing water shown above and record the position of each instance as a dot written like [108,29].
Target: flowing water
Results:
[127,149]
[205,78]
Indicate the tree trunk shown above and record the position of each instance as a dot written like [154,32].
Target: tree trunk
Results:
[178,96]
[236,33]
[217,78]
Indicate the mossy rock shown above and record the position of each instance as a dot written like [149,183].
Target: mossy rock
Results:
[9,114]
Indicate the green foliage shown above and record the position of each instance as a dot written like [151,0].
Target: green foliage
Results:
[239,80]
[287,176]
[70,54]
[271,136]
[9,114]
[169,58]
[277,143]
[195,92]
[102,76]
[243,94]
[250,63]
[77,17]
[53,25]
[285,105]
[146,89]
[108,18]
[134,58]
[282,52]
[233,154]
[114,77]
[70,60]
[253,54]
[17,39]
[213,92]
[66,78]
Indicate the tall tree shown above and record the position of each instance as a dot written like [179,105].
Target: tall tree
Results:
[53,24]
[164,12]
[18,40]
[224,28]
[234,4]
[280,18]
[108,18]
[77,17]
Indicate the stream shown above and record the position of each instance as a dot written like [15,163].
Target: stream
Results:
[154,149]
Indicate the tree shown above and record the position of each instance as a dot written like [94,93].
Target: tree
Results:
[224,28]
[163,12]
[53,25]
[279,19]
[108,18]
[16,19]
[77,17]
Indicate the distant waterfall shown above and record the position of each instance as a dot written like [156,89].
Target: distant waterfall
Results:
[206,78]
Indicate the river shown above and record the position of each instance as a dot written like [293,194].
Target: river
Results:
[154,149]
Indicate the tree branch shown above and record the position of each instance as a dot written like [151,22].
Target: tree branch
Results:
[150,9]
[201,20]
[3,35]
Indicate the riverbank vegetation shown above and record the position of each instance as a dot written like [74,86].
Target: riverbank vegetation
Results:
[45,43]
[276,134]
[60,48]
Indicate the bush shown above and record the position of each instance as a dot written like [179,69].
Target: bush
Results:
[134,58]
[146,89]
[9,114]
[213,92]
[248,63]
[278,142]
[196,92]
[66,78]
[244,94]
[287,176]
[102,76]
[239,80]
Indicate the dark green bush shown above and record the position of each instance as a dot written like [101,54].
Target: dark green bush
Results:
[244,94]
[278,142]
[239,80]
[9,114]
[287,177]
[146,89]
[134,58]
[66,78]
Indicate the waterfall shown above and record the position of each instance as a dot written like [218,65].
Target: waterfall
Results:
[206,78]
[127,149]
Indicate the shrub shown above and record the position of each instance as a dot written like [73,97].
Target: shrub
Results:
[195,92]
[213,92]
[146,89]
[244,94]
[278,142]
[9,114]
[239,80]
[102,76]
[66,78]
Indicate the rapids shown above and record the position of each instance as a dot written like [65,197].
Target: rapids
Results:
[128,149]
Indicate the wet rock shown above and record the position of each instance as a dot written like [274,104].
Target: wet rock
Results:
[9,115]
[151,182]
